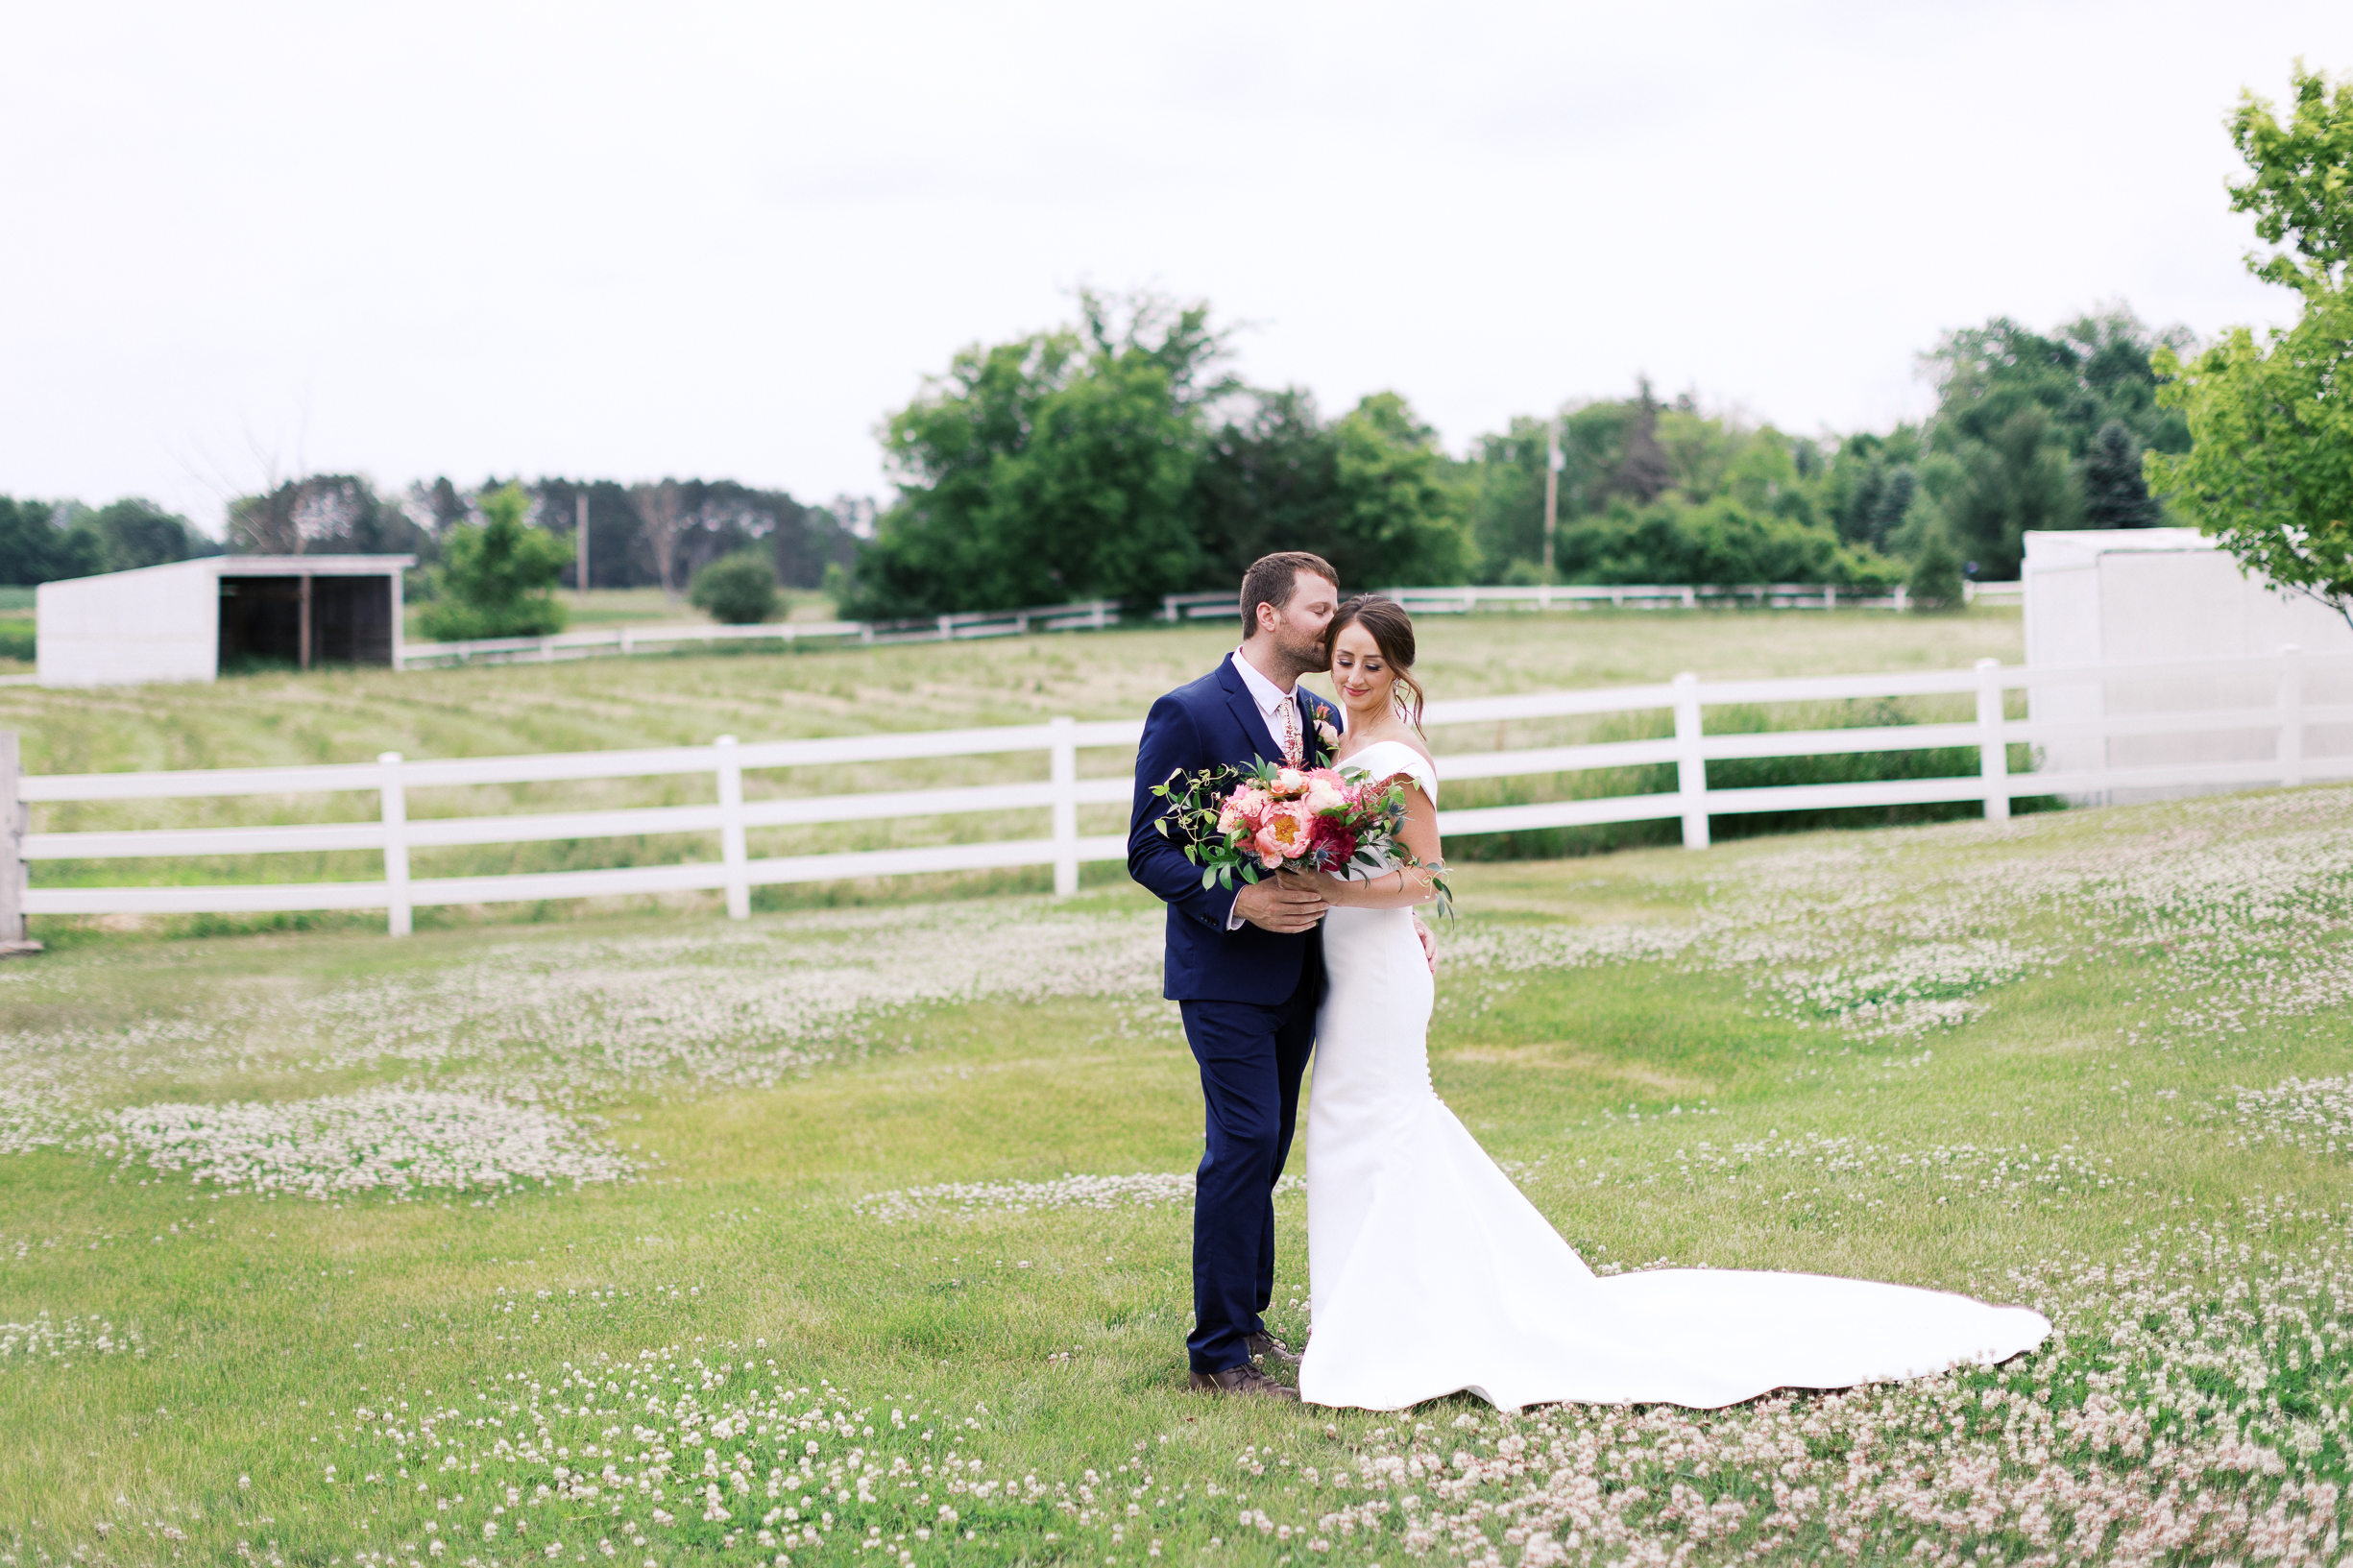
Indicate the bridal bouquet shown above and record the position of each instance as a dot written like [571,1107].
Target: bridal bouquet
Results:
[1248,823]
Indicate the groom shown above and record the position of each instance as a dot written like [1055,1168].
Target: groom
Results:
[1244,963]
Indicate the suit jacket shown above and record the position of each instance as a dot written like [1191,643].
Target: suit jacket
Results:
[1213,723]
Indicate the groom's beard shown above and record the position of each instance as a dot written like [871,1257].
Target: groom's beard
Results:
[1301,656]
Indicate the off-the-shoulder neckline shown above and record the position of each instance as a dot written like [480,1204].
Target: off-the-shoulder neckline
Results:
[1406,746]
[1420,764]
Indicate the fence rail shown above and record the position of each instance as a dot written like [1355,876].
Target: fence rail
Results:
[1185,607]
[1093,614]
[1063,793]
[1099,614]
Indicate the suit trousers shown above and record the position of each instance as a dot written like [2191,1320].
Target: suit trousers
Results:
[1252,1058]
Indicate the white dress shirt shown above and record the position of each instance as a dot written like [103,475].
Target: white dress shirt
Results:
[1274,705]
[1271,703]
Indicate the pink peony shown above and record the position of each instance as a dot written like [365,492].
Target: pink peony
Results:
[1326,793]
[1283,834]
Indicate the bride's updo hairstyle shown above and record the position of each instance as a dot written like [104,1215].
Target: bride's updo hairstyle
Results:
[1393,633]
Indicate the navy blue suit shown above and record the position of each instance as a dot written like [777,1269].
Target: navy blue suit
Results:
[1249,998]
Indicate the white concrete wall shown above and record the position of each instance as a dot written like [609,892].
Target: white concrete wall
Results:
[2126,596]
[158,623]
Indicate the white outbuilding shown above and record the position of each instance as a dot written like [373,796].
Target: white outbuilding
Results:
[189,620]
[2103,598]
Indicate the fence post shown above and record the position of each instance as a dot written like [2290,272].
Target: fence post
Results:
[1992,752]
[1830,596]
[1690,598]
[730,829]
[1690,767]
[2290,714]
[628,643]
[1065,751]
[1903,597]
[396,911]
[13,813]
[1098,611]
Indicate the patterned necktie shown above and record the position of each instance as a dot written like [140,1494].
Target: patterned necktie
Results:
[1291,732]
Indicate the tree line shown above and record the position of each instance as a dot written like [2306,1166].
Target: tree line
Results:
[1116,457]
[657,535]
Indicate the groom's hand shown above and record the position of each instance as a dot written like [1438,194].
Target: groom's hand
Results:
[1269,906]
[1429,944]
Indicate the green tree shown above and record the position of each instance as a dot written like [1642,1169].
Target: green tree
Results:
[1056,467]
[1866,486]
[2270,469]
[1268,480]
[737,590]
[1400,516]
[139,533]
[1935,582]
[33,548]
[1643,470]
[496,576]
[1505,485]
[2115,495]
[2299,183]
[2015,479]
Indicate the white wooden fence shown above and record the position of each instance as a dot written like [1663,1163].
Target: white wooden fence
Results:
[1185,607]
[2288,715]
[1093,614]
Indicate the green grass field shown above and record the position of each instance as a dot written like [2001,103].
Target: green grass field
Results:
[859,1234]
[588,705]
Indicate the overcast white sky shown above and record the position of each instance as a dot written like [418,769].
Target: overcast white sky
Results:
[723,240]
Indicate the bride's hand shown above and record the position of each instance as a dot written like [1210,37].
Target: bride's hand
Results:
[1332,889]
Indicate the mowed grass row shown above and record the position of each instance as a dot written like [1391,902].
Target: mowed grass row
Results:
[615,703]
[2013,1060]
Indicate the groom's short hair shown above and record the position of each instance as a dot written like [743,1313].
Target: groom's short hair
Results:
[1273,579]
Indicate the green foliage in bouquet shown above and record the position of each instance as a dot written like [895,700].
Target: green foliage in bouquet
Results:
[1246,822]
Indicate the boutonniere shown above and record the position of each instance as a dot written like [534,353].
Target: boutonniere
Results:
[1327,735]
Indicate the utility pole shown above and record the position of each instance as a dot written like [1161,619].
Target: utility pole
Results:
[579,504]
[1552,490]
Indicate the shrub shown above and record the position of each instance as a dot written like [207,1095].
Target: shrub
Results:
[495,576]
[1671,541]
[1936,575]
[17,639]
[736,590]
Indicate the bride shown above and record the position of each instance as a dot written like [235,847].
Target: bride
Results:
[1430,1272]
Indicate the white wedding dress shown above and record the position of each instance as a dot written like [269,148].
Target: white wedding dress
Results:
[1431,1273]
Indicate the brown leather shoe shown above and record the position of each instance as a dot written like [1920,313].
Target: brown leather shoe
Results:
[1243,1380]
[1263,1343]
